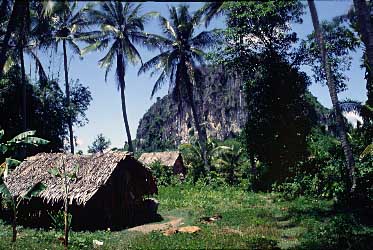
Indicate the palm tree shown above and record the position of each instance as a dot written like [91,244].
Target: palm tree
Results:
[334,97]
[68,25]
[122,26]
[181,53]
[20,38]
[192,153]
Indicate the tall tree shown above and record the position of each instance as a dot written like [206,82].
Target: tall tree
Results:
[258,50]
[17,32]
[334,97]
[99,144]
[68,24]
[361,20]
[46,107]
[181,53]
[122,26]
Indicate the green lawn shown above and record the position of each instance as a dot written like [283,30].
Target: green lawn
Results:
[249,221]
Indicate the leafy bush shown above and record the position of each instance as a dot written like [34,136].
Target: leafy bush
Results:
[339,233]
[57,218]
[322,174]
[163,173]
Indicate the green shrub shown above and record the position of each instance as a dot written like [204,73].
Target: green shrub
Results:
[342,232]
[227,160]
[58,222]
[322,175]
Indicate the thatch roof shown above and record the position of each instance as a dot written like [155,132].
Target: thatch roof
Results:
[93,172]
[165,158]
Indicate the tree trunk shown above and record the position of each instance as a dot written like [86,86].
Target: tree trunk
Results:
[334,97]
[120,72]
[366,31]
[186,74]
[67,92]
[202,136]
[24,86]
[65,212]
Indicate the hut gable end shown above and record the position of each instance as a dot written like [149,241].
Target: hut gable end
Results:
[165,158]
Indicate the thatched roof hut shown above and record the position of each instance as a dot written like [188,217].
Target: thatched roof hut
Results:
[171,159]
[107,190]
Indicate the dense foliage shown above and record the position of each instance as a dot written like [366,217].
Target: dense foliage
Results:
[46,109]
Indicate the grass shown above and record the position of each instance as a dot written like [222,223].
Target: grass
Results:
[249,221]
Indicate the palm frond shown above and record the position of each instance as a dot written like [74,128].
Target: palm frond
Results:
[98,45]
[155,62]
[42,75]
[206,39]
[109,12]
[367,151]
[74,47]
[131,53]
[158,84]
[211,10]
[151,41]
[107,60]
[198,55]
[167,27]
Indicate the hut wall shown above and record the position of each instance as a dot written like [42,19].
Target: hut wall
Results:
[119,203]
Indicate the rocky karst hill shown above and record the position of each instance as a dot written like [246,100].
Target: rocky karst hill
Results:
[221,100]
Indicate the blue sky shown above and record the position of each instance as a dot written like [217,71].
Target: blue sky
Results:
[105,115]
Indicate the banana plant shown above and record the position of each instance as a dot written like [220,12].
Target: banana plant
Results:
[25,138]
[14,202]
[67,178]
[227,161]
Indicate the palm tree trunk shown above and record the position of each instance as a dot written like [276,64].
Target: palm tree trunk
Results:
[186,74]
[366,31]
[67,86]
[334,97]
[202,136]
[120,72]
[24,86]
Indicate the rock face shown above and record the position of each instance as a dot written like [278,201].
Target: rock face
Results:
[220,100]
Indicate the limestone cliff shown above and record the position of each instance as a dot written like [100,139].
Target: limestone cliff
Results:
[221,102]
